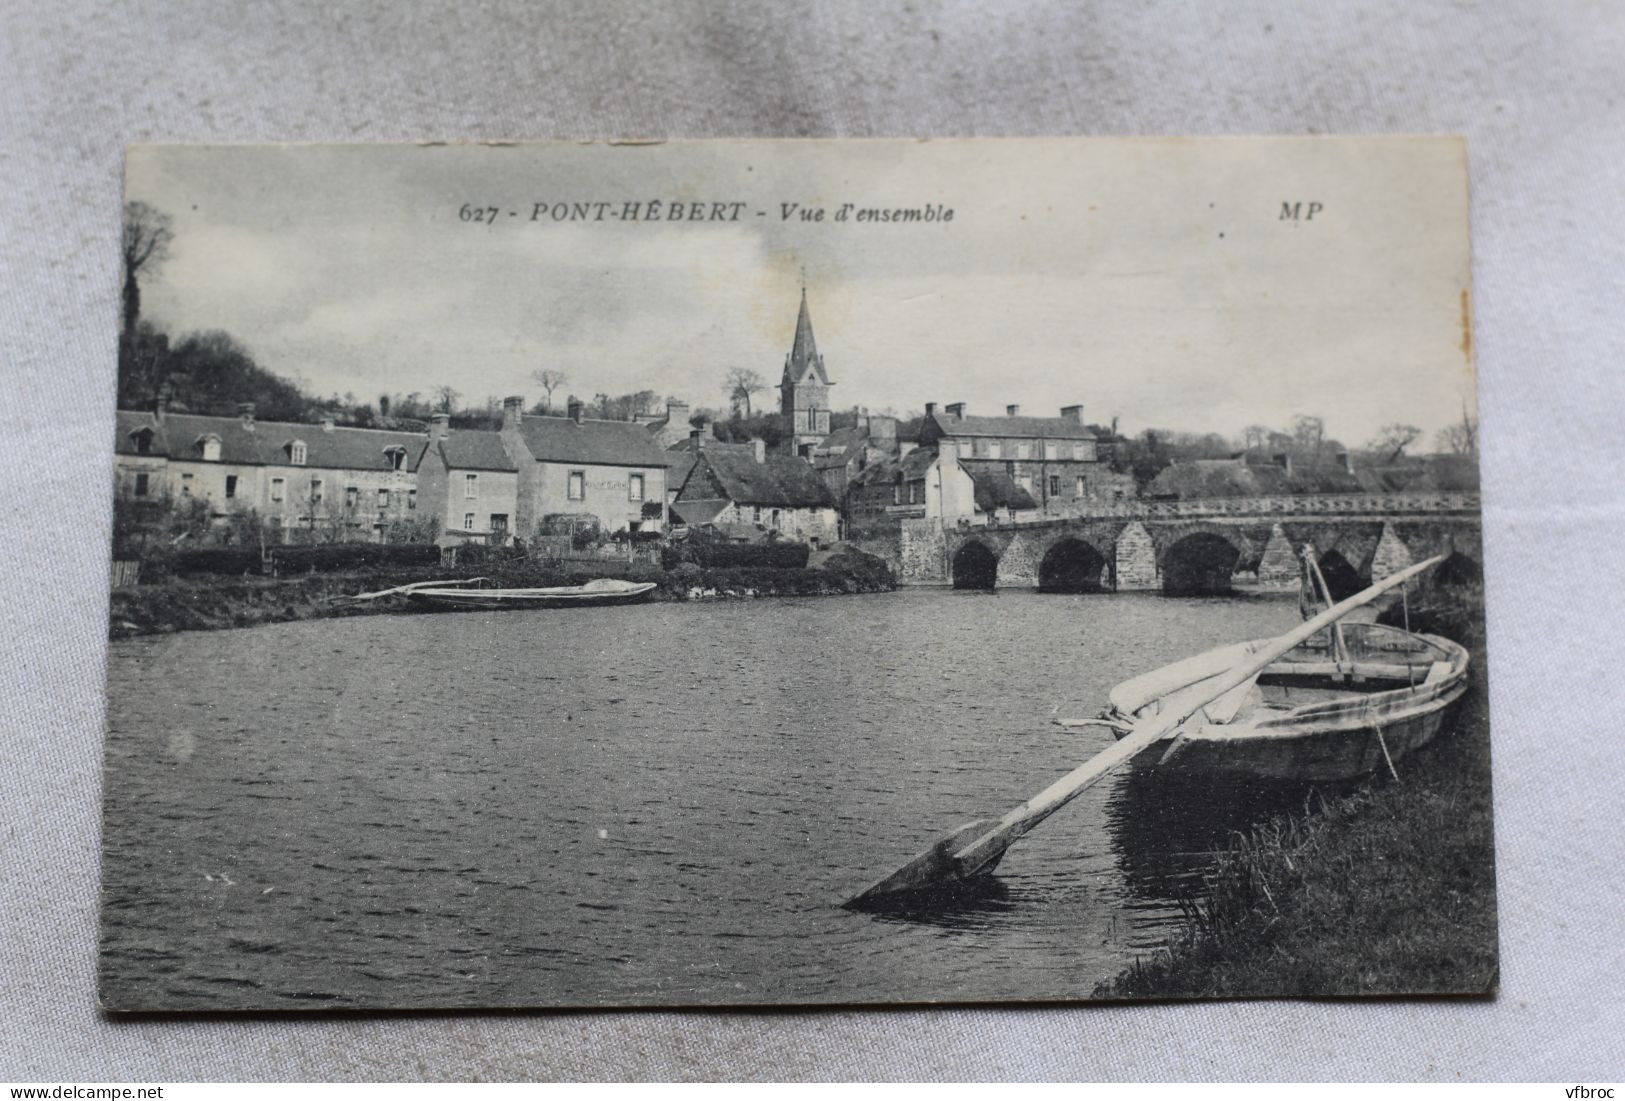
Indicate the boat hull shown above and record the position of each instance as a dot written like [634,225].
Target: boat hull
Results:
[1347,732]
[518,599]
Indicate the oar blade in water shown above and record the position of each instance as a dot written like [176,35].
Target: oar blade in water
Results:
[931,870]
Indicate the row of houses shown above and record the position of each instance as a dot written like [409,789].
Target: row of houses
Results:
[537,474]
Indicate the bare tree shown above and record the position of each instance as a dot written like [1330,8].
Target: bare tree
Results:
[445,399]
[1460,438]
[740,384]
[549,380]
[146,244]
[1392,439]
[1309,433]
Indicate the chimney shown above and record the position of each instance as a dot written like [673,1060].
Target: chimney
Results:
[513,412]
[1012,410]
[956,410]
[676,412]
[575,406]
[1073,413]
[245,413]
[930,408]
[442,426]
[1284,461]
[1345,462]
[327,420]
[759,446]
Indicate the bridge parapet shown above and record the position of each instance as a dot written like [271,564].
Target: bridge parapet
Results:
[1308,504]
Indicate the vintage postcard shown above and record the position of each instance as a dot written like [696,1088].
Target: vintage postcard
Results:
[795,573]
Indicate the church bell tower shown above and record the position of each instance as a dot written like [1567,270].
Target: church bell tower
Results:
[804,389]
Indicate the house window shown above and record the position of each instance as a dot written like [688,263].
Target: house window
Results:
[468,521]
[1052,450]
[634,487]
[383,498]
[776,520]
[411,499]
[993,449]
[352,496]
[1083,486]
[577,487]
[186,485]
[231,486]
[296,452]
[140,485]
[315,491]
[499,525]
[1024,450]
[1086,451]
[471,486]
[143,441]
[211,449]
[756,513]
[277,487]
[396,457]
[1054,485]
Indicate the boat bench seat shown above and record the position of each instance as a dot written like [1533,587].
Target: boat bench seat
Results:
[1437,672]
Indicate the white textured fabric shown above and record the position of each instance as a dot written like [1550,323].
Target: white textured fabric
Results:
[1535,85]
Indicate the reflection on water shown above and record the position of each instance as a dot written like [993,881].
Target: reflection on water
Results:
[645,805]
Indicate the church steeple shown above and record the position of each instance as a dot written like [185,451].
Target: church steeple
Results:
[804,351]
[804,389]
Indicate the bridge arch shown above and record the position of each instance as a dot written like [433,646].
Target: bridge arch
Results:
[1200,562]
[974,566]
[1071,565]
[1342,576]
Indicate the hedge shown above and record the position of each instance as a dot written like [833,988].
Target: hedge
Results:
[765,556]
[345,556]
[225,560]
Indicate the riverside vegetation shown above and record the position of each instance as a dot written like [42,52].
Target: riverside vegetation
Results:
[213,601]
[1386,887]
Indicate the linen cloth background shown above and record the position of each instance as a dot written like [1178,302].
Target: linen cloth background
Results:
[1536,86]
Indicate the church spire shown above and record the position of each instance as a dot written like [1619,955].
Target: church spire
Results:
[804,351]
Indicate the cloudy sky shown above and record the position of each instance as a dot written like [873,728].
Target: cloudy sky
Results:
[1150,279]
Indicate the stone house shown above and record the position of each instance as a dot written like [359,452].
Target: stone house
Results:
[612,470]
[932,484]
[306,481]
[468,484]
[734,484]
[1057,461]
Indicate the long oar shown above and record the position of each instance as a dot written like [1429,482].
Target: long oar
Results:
[975,848]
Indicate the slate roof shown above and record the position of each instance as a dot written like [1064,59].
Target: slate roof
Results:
[591,442]
[912,467]
[1046,428]
[780,481]
[995,490]
[698,512]
[265,443]
[474,449]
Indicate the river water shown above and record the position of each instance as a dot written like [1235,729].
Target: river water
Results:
[661,804]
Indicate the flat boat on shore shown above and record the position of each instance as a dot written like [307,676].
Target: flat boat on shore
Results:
[592,594]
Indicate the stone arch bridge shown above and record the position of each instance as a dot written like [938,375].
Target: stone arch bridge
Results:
[1201,546]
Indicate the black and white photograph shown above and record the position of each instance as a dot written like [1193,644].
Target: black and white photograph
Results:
[795,573]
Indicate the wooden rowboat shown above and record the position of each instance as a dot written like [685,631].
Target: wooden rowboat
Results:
[1333,708]
[1202,694]
[592,594]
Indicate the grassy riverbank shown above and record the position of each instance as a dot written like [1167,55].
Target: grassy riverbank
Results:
[214,603]
[1389,888]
